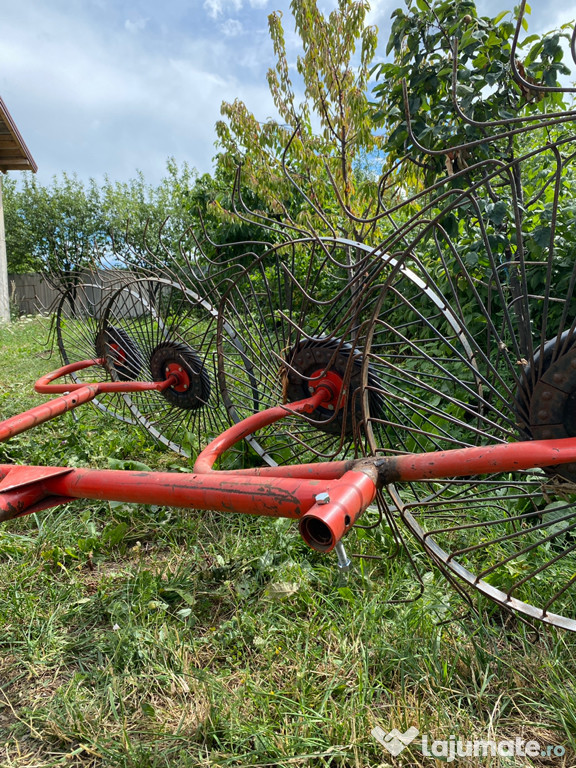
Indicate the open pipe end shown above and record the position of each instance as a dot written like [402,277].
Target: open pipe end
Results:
[317,533]
[337,508]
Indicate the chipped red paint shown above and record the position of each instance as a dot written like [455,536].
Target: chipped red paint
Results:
[288,492]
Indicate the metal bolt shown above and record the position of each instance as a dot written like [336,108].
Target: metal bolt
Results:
[311,390]
[180,370]
[344,562]
[322,498]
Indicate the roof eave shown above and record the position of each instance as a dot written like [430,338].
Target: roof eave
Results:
[19,158]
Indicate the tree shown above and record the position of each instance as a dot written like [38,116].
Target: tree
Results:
[68,226]
[21,251]
[150,225]
[55,229]
[306,168]
[477,121]
[457,78]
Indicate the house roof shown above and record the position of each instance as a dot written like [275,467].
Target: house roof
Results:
[14,154]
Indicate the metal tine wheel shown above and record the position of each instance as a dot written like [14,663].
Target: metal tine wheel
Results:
[486,354]
[155,327]
[299,309]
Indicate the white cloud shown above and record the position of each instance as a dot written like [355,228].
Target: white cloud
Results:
[100,100]
[231,28]
[135,26]
[216,8]
[380,12]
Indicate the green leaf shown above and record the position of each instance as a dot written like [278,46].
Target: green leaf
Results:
[148,709]
[185,596]
[528,40]
[114,534]
[501,15]
[541,236]
[129,464]
[347,594]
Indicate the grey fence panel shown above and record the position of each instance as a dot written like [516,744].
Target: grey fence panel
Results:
[32,294]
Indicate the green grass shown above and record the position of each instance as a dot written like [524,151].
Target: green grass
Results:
[144,636]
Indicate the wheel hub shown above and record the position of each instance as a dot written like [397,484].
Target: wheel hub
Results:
[192,387]
[311,360]
[120,352]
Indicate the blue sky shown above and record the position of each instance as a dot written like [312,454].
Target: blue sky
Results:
[114,86]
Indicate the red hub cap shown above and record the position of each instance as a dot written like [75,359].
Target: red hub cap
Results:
[182,383]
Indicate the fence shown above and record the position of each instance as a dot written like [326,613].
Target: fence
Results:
[32,294]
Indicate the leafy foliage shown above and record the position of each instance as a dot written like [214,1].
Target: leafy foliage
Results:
[54,228]
[150,224]
[68,226]
[458,71]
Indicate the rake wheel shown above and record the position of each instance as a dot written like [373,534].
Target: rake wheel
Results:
[174,330]
[495,365]
[304,311]
[121,354]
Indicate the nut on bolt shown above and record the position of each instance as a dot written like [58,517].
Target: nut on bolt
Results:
[322,498]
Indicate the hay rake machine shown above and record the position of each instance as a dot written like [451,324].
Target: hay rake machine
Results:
[431,377]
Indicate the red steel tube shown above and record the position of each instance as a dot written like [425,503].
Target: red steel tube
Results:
[284,497]
[325,470]
[268,497]
[45,385]
[74,394]
[483,460]
[46,411]
[206,459]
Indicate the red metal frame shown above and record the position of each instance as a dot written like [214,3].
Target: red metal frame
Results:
[327,498]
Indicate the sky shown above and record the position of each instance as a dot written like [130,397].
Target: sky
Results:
[112,87]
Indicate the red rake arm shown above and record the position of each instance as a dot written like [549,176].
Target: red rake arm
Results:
[326,498]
